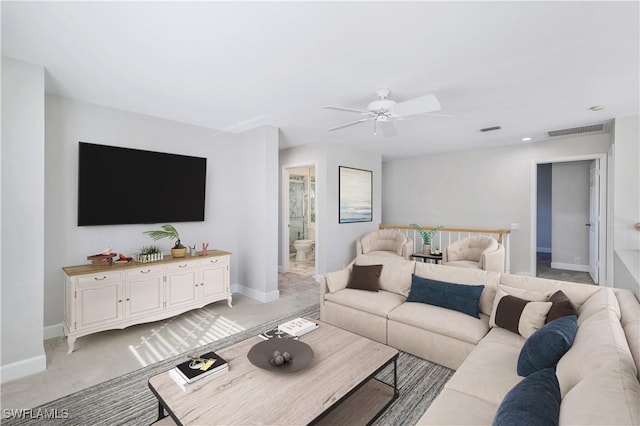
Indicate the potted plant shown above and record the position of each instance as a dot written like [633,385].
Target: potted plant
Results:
[427,236]
[170,232]
[149,254]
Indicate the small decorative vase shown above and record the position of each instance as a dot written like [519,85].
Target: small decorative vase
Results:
[426,248]
[178,252]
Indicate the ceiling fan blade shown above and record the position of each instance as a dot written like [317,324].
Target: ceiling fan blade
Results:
[362,120]
[347,109]
[388,129]
[420,105]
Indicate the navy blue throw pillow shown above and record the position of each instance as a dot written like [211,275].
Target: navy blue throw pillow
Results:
[547,345]
[535,401]
[459,297]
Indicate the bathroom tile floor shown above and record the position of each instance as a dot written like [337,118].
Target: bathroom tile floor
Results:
[306,268]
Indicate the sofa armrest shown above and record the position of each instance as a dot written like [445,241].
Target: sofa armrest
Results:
[358,248]
[493,260]
[324,289]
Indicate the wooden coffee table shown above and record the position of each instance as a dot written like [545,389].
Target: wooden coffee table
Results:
[338,387]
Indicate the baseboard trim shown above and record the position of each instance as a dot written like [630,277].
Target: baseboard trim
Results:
[570,267]
[53,331]
[260,296]
[23,368]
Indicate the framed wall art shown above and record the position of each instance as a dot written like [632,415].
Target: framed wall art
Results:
[356,193]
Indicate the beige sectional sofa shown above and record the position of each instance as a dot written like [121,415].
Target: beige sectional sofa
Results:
[598,376]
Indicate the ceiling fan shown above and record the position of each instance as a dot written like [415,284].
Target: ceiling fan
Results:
[383,110]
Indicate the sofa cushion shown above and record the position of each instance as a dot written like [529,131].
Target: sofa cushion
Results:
[459,297]
[489,279]
[602,299]
[561,306]
[365,277]
[373,302]
[578,293]
[396,273]
[599,340]
[535,401]
[544,348]
[609,395]
[518,315]
[338,280]
[489,371]
[630,321]
[441,321]
[445,410]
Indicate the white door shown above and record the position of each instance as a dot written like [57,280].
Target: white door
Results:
[594,219]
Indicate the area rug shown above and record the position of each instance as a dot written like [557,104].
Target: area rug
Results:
[127,400]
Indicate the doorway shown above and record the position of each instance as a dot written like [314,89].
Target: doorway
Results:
[568,221]
[299,208]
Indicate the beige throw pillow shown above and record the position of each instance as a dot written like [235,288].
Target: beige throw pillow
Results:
[521,316]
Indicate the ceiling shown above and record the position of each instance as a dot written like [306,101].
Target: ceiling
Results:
[529,67]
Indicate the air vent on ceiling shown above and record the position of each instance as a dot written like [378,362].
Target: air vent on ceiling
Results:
[577,130]
[490,129]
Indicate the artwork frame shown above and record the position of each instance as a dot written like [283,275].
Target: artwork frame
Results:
[355,195]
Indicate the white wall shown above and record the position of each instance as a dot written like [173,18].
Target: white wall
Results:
[335,242]
[626,203]
[23,254]
[233,192]
[570,212]
[488,188]
[257,222]
[543,228]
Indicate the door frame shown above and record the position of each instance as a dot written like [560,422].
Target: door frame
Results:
[603,248]
[284,214]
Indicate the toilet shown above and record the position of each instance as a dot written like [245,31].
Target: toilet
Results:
[303,247]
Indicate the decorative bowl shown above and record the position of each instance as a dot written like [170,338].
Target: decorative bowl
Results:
[301,354]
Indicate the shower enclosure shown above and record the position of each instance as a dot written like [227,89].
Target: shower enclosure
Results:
[296,210]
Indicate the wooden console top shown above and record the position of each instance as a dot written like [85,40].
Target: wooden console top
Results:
[92,268]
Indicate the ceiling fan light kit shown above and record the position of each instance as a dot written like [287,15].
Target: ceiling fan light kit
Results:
[383,111]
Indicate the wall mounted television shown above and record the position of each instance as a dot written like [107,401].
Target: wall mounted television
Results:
[119,186]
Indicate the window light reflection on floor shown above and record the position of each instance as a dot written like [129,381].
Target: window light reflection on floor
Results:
[180,334]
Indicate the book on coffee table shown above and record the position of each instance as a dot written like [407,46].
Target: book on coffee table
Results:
[185,386]
[275,333]
[201,367]
[298,326]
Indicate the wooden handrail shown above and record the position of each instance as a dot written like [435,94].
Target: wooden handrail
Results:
[499,232]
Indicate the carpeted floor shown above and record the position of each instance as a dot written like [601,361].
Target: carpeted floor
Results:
[127,400]
[544,270]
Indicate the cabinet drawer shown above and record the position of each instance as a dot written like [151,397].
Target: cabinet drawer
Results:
[145,270]
[215,261]
[182,266]
[99,277]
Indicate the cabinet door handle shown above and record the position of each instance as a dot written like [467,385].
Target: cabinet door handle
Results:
[182,266]
[145,272]
[128,299]
[120,301]
[100,279]
[213,261]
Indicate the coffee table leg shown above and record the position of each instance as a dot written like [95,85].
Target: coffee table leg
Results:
[395,378]
[161,414]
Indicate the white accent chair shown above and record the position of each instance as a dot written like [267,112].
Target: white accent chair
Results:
[385,242]
[475,253]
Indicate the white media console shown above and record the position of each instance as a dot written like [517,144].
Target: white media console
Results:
[105,297]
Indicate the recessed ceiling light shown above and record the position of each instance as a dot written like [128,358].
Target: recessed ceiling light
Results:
[527,139]
[597,108]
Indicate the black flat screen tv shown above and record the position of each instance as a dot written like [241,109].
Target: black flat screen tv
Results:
[127,186]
